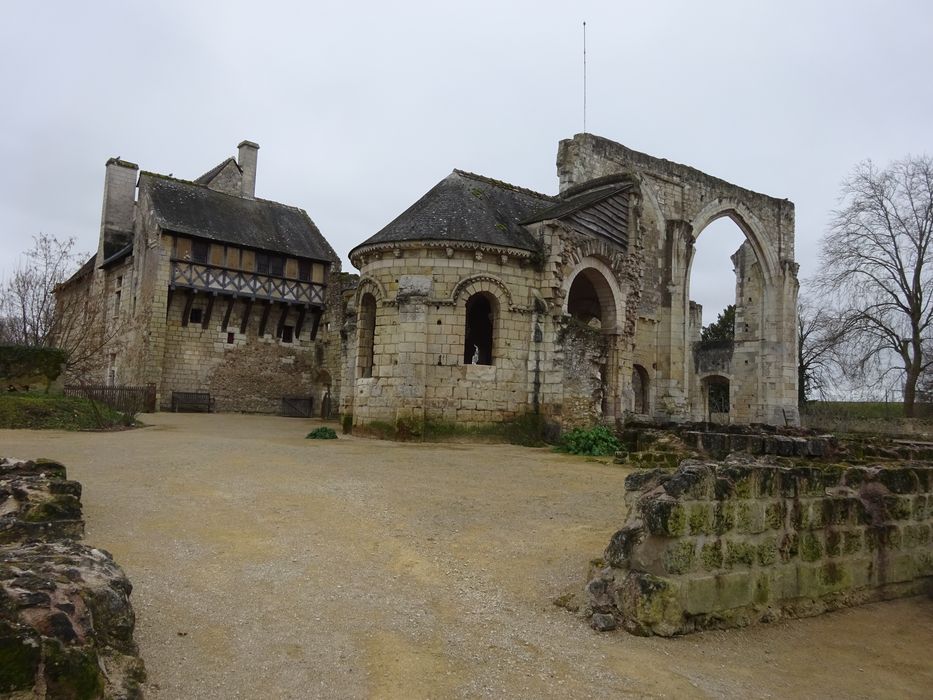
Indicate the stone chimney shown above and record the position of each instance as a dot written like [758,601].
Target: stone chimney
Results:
[118,214]
[246,159]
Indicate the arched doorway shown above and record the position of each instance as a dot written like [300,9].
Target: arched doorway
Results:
[716,390]
[590,335]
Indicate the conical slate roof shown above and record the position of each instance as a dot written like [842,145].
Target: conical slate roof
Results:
[470,208]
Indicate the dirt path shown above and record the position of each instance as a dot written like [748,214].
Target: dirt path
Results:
[269,566]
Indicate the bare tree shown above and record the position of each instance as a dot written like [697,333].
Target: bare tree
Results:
[877,262]
[27,298]
[46,303]
[821,332]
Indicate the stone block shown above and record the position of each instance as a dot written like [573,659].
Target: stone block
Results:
[663,515]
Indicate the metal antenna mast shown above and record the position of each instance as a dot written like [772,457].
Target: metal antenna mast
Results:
[584,76]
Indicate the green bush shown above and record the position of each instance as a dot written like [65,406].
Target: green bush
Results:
[595,442]
[322,433]
[346,423]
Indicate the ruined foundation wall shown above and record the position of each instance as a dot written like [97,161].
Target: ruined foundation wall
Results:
[715,545]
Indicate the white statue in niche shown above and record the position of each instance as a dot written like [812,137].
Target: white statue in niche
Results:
[476,354]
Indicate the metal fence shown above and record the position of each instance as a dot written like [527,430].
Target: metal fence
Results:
[126,399]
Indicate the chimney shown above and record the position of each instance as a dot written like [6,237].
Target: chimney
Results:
[246,159]
[118,214]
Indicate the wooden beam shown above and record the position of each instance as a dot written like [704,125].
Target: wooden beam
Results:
[281,325]
[184,314]
[265,318]
[205,322]
[227,313]
[246,311]
[315,322]
[168,303]
[300,322]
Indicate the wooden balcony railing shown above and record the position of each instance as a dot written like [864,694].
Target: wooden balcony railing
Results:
[224,280]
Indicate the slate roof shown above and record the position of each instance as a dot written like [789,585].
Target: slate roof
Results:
[193,209]
[577,202]
[466,207]
[85,269]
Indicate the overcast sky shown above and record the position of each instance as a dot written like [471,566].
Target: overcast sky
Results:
[359,108]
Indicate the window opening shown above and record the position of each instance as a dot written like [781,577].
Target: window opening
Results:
[640,388]
[287,334]
[195,316]
[200,250]
[478,331]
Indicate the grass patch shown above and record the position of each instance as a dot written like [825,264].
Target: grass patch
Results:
[863,410]
[49,412]
[322,433]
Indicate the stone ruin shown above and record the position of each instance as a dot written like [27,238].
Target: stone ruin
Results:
[726,544]
[66,622]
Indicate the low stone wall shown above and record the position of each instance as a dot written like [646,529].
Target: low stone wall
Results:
[66,622]
[715,545]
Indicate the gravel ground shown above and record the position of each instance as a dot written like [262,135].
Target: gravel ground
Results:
[269,566]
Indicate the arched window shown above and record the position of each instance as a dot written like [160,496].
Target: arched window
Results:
[366,327]
[478,331]
[640,389]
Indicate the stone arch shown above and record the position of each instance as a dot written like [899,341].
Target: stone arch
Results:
[372,286]
[606,287]
[482,283]
[748,223]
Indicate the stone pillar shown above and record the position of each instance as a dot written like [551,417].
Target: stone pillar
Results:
[672,340]
[410,372]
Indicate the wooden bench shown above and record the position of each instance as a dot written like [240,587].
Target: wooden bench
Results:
[196,399]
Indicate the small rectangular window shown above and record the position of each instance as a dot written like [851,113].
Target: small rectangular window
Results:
[230,338]
[287,333]
[116,303]
[195,316]
[200,251]
[304,270]
[262,263]
[277,265]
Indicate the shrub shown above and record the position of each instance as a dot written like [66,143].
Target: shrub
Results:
[346,423]
[598,441]
[322,433]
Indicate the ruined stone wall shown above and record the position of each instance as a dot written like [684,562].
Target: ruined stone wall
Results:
[675,204]
[716,545]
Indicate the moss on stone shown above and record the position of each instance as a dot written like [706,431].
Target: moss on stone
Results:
[19,661]
[724,517]
[739,554]
[701,519]
[679,557]
[852,541]
[762,589]
[72,672]
[811,548]
[774,515]
[767,552]
[711,555]
[833,543]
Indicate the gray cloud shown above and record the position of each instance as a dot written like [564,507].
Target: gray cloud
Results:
[360,108]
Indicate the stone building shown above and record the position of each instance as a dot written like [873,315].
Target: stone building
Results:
[200,286]
[485,301]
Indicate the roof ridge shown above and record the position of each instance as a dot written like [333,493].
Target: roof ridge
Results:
[503,184]
[210,174]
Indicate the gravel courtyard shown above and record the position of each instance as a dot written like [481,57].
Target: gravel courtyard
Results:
[269,566]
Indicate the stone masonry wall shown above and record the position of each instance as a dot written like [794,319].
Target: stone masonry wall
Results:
[715,545]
